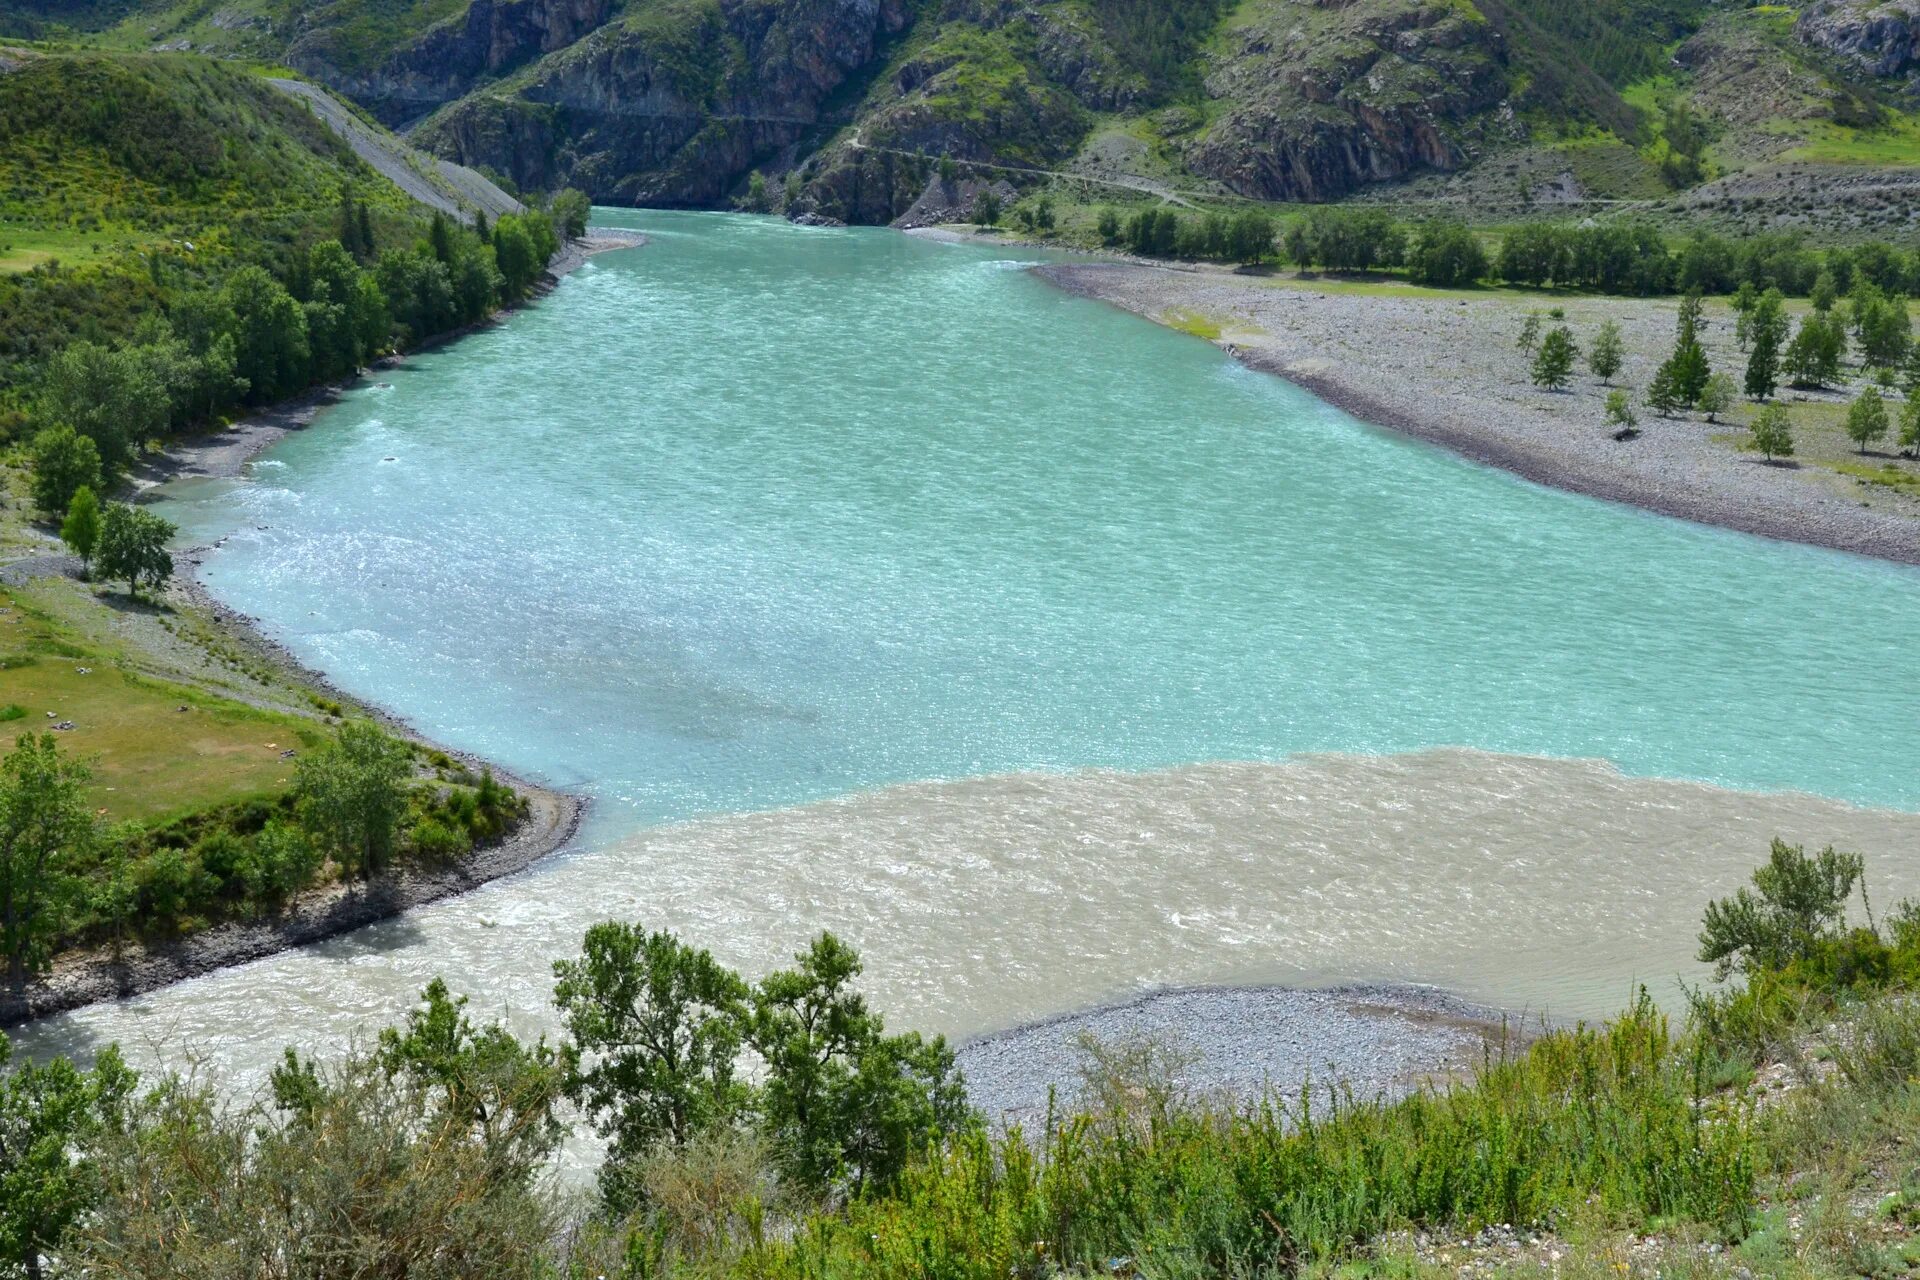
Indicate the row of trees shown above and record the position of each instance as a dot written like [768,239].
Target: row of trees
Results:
[1620,258]
[1245,237]
[257,338]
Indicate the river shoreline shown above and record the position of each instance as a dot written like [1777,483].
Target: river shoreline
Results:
[553,818]
[1421,366]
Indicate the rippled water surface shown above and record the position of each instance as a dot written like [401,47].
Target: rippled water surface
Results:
[757,516]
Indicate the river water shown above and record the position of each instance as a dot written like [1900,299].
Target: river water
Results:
[870,583]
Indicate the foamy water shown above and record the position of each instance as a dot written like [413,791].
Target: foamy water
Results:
[1532,883]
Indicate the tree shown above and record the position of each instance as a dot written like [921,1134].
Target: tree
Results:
[133,546]
[1813,358]
[569,211]
[1529,340]
[1766,330]
[1801,901]
[1717,395]
[50,1117]
[1108,225]
[1620,413]
[1250,236]
[351,795]
[1553,363]
[986,208]
[1663,397]
[1446,255]
[1687,366]
[108,396]
[1773,432]
[1867,418]
[504,1092]
[515,256]
[45,826]
[844,1103]
[1606,356]
[269,334]
[1825,292]
[654,1028]
[81,529]
[1910,424]
[64,462]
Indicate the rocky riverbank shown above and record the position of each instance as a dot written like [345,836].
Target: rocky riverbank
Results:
[1443,367]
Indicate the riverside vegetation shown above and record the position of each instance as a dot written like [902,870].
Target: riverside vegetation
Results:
[206,247]
[1764,1137]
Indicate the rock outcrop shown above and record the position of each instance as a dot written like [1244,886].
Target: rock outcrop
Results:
[489,39]
[1882,37]
[1326,96]
[670,107]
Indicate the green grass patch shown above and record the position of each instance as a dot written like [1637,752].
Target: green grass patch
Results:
[1197,323]
[1890,474]
[150,758]
[1896,143]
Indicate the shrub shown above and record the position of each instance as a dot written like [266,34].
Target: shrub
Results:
[435,840]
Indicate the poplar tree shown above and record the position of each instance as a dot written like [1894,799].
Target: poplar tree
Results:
[1766,330]
[1867,419]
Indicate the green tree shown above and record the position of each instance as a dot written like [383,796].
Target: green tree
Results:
[569,212]
[108,396]
[655,1028]
[844,1104]
[1620,413]
[133,547]
[1529,340]
[1800,901]
[1910,423]
[1553,362]
[1108,225]
[64,462]
[514,255]
[1766,330]
[1867,418]
[1607,355]
[1773,432]
[1446,255]
[1250,236]
[50,1117]
[46,826]
[1663,396]
[351,795]
[504,1092]
[1825,292]
[81,529]
[1687,365]
[269,334]
[1813,357]
[1717,396]
[986,208]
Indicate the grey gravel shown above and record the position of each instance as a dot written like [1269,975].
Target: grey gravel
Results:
[1240,1042]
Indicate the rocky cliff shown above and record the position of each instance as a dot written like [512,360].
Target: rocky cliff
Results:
[1325,96]
[669,106]
[489,39]
[1880,36]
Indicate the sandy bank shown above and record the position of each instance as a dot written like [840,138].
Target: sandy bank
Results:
[1444,369]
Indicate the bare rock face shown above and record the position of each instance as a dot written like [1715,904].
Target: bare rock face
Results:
[1326,96]
[1881,36]
[670,110]
[488,39]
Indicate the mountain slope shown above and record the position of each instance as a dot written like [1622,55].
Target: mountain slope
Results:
[847,105]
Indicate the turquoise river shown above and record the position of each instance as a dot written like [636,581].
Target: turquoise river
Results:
[869,582]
